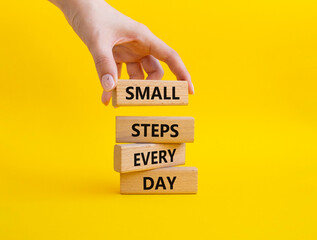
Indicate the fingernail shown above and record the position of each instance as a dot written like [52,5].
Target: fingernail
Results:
[107,82]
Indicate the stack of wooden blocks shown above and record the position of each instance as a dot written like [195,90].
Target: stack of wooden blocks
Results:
[147,166]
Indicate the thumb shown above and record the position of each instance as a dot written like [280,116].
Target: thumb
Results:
[107,69]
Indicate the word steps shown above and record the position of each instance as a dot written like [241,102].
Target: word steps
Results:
[155,129]
[154,146]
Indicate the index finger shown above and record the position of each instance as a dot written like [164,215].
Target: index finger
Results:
[163,52]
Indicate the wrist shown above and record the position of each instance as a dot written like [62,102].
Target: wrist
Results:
[69,6]
[61,4]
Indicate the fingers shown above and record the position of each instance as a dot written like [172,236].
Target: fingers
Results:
[105,98]
[152,67]
[106,67]
[135,70]
[163,52]
[119,67]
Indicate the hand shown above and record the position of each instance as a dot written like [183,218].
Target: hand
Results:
[113,39]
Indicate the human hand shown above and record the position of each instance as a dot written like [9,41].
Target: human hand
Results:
[113,38]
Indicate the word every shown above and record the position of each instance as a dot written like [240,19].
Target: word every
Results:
[154,157]
[148,183]
[150,94]
[156,130]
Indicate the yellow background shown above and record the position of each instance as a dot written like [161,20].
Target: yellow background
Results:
[254,66]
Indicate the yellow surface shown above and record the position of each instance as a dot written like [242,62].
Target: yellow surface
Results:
[254,65]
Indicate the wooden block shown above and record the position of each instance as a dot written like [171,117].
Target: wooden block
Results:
[154,129]
[137,157]
[169,180]
[150,92]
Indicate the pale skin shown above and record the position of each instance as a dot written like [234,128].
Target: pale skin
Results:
[113,39]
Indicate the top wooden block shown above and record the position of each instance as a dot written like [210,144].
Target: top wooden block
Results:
[150,92]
